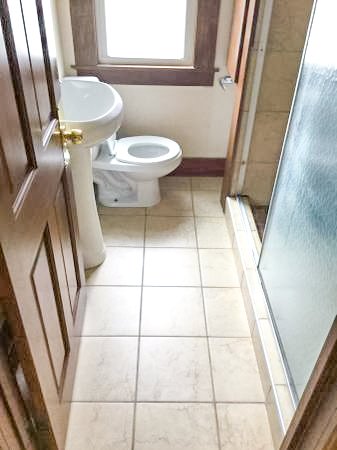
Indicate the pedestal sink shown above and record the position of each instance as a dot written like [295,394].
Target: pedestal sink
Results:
[96,109]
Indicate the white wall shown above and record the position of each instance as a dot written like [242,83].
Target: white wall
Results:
[197,117]
[53,34]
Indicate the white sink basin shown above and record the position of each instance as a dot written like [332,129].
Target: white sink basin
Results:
[95,108]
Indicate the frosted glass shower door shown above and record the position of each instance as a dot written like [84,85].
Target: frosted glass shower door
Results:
[298,263]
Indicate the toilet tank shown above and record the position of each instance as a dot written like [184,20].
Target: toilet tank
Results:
[108,147]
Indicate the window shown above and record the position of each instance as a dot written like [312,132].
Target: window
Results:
[146,41]
[156,33]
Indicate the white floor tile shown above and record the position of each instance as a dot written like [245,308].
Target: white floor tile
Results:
[235,372]
[122,266]
[112,310]
[244,426]
[175,427]
[107,211]
[174,369]
[218,268]
[106,369]
[117,231]
[212,233]
[171,267]
[207,184]
[175,183]
[207,204]
[100,426]
[173,311]
[173,203]
[170,232]
[225,313]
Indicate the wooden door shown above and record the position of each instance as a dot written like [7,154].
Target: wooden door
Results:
[243,27]
[239,21]
[41,272]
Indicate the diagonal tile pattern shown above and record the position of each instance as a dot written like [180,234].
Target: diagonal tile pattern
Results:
[166,359]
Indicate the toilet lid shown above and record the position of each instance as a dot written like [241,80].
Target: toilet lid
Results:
[146,149]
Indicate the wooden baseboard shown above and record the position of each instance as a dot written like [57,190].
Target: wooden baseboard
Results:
[200,167]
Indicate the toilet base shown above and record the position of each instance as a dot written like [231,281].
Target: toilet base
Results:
[142,194]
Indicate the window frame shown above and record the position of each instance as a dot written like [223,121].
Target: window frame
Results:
[201,73]
[189,39]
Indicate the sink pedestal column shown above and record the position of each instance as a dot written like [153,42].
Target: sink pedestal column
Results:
[91,238]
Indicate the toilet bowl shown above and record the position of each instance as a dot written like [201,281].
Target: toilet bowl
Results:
[127,171]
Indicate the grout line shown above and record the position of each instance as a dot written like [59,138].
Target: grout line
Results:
[161,285]
[165,286]
[178,247]
[180,216]
[163,402]
[180,336]
[139,338]
[207,339]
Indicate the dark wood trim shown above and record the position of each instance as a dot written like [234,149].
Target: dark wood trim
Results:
[236,116]
[200,74]
[178,76]
[206,34]
[83,24]
[237,38]
[314,424]
[200,167]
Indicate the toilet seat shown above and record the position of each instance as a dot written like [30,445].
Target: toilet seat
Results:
[146,150]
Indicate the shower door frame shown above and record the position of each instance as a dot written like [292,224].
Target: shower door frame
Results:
[314,425]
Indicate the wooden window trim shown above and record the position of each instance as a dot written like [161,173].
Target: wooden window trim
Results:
[200,74]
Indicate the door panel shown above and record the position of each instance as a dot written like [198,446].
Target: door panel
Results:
[19,60]
[63,228]
[37,62]
[41,271]
[47,300]
[14,165]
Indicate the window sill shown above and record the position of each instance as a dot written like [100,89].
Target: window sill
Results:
[145,75]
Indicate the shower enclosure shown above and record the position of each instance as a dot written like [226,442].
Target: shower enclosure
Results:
[298,261]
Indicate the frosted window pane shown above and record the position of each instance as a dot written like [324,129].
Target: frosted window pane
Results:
[298,264]
[150,29]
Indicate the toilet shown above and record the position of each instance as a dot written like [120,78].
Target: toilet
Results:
[126,171]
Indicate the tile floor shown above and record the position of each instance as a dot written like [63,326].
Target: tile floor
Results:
[166,359]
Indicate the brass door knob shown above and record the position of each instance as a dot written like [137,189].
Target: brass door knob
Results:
[74,136]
